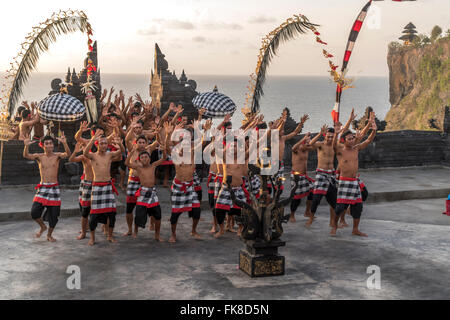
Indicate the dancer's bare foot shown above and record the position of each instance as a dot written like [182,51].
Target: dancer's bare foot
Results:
[292,218]
[343,224]
[219,234]
[309,223]
[91,242]
[333,231]
[159,239]
[127,234]
[233,230]
[173,239]
[213,230]
[40,232]
[51,239]
[358,233]
[196,235]
[306,214]
[111,239]
[82,236]
[134,235]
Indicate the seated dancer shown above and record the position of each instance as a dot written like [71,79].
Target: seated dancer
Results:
[325,182]
[349,191]
[147,199]
[184,198]
[48,194]
[224,203]
[300,153]
[85,187]
[103,202]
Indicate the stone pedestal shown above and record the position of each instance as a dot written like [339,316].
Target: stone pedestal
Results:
[261,259]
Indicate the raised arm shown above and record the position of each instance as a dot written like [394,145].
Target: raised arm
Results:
[298,129]
[67,151]
[73,157]
[301,143]
[27,142]
[313,144]
[349,121]
[87,149]
[128,162]
[337,131]
[83,128]
[364,144]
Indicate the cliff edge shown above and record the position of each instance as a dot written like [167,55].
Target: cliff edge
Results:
[419,79]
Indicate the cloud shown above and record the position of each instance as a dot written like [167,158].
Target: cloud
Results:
[221,25]
[199,39]
[152,30]
[262,19]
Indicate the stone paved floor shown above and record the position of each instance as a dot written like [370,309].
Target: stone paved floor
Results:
[410,243]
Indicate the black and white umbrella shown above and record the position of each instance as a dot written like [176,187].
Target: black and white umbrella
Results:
[217,105]
[61,107]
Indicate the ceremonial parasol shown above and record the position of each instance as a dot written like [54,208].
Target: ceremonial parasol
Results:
[217,105]
[61,107]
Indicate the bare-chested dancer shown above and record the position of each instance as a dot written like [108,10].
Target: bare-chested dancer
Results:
[184,198]
[85,187]
[300,153]
[349,191]
[147,199]
[325,182]
[236,172]
[103,202]
[283,138]
[48,194]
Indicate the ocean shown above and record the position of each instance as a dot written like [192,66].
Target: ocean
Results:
[314,96]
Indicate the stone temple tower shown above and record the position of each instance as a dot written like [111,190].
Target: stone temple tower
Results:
[165,87]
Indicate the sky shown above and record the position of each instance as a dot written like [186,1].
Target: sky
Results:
[217,37]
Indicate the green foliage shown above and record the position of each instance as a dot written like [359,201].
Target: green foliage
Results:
[435,33]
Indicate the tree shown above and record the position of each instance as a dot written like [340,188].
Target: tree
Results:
[435,33]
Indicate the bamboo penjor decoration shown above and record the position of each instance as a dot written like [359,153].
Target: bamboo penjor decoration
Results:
[298,24]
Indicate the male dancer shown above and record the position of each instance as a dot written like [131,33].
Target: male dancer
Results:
[86,187]
[184,198]
[300,153]
[147,199]
[325,182]
[103,203]
[48,194]
[224,204]
[349,191]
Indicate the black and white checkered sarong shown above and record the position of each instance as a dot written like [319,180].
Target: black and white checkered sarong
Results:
[197,182]
[210,183]
[217,185]
[349,191]
[147,197]
[86,194]
[224,199]
[324,178]
[80,190]
[305,185]
[102,198]
[48,194]
[132,187]
[183,197]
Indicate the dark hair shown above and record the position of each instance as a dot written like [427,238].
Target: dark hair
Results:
[330,130]
[114,115]
[137,104]
[20,109]
[141,137]
[140,122]
[227,124]
[262,125]
[135,114]
[45,138]
[112,106]
[97,127]
[346,133]
[144,152]
[25,114]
